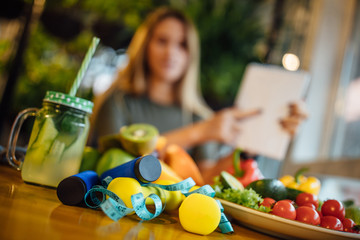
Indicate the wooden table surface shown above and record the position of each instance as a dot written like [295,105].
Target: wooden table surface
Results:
[34,212]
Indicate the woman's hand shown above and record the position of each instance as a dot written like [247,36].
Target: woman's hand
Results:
[297,114]
[225,125]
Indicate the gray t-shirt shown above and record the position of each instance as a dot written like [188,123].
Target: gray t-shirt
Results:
[120,109]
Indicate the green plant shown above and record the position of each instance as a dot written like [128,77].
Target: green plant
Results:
[229,30]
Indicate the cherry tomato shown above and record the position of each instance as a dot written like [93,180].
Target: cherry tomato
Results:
[284,209]
[308,205]
[348,225]
[307,215]
[268,202]
[305,197]
[334,208]
[290,201]
[320,214]
[331,222]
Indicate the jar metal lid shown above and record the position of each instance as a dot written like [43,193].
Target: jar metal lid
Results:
[70,101]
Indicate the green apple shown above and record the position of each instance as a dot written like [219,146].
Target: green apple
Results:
[112,158]
[89,159]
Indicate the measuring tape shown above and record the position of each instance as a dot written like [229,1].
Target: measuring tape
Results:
[115,208]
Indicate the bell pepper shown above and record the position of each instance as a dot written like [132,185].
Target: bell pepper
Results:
[300,182]
[246,171]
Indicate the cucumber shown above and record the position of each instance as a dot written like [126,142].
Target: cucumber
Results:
[292,193]
[66,139]
[42,143]
[271,188]
[229,181]
[56,151]
[46,135]
[70,129]
[71,124]
[36,129]
[77,145]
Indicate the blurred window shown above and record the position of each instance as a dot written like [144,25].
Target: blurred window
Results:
[332,56]
[346,137]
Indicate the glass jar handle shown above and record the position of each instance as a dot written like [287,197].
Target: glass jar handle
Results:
[14,134]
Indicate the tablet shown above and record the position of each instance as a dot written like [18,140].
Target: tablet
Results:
[270,88]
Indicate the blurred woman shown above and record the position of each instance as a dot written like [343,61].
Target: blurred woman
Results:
[160,86]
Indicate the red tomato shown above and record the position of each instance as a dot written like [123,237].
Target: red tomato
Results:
[308,205]
[320,214]
[348,225]
[284,209]
[334,208]
[304,198]
[331,222]
[307,215]
[268,202]
[290,201]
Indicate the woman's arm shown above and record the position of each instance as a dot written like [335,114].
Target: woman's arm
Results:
[223,127]
[297,114]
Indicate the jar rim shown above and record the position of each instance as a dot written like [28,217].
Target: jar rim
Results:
[69,101]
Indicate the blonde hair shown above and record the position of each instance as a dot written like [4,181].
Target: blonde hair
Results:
[132,79]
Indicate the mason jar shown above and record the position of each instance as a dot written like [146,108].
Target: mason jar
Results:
[57,139]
